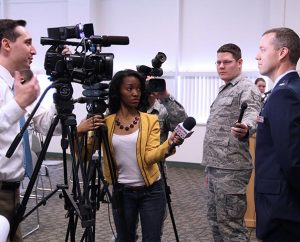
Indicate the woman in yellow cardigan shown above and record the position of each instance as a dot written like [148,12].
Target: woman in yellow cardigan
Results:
[134,143]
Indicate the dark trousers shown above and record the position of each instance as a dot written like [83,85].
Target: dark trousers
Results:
[148,203]
[286,231]
[8,202]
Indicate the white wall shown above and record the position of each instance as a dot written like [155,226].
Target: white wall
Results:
[191,150]
[188,31]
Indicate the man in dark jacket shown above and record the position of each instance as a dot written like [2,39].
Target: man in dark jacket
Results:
[277,178]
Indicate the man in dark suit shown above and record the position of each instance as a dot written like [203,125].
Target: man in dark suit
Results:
[277,170]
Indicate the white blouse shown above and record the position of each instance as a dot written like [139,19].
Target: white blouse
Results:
[125,153]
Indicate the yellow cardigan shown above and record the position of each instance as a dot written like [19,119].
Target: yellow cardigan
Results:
[148,148]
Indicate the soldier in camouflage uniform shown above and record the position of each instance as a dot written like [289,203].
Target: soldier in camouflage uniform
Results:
[170,112]
[225,152]
[176,112]
[160,110]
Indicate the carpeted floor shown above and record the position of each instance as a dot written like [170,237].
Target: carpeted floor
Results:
[188,206]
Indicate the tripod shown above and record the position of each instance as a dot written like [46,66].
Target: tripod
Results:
[80,203]
[168,193]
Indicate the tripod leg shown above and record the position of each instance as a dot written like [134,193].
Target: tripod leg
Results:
[22,207]
[85,203]
[168,192]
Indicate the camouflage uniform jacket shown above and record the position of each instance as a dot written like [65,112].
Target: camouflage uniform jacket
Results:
[162,114]
[170,114]
[176,112]
[220,148]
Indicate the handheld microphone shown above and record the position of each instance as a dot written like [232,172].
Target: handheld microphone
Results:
[266,95]
[243,108]
[268,92]
[183,130]
[26,74]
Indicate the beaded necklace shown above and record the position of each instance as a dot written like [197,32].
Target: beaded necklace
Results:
[130,126]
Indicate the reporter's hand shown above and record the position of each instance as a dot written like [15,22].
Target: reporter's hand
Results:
[26,93]
[175,139]
[89,124]
[240,130]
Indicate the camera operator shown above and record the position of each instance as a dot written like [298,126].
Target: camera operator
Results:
[163,104]
[158,94]
[170,113]
[17,97]
[159,101]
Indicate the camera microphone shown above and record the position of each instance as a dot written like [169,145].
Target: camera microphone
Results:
[183,130]
[106,40]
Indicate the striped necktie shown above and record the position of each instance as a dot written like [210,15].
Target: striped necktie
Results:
[27,159]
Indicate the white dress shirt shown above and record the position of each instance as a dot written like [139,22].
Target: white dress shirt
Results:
[282,75]
[11,169]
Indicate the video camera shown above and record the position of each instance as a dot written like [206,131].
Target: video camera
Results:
[80,66]
[86,66]
[154,84]
[157,61]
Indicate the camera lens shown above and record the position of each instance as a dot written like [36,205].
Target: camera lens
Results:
[159,59]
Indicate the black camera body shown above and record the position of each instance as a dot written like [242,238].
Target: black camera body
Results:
[156,85]
[79,67]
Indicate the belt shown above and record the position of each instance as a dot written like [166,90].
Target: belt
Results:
[138,188]
[4,185]
[134,188]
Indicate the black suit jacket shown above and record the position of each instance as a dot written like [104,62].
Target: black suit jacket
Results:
[277,169]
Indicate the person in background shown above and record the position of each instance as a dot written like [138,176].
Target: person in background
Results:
[159,101]
[155,107]
[163,104]
[170,114]
[16,101]
[226,151]
[261,84]
[277,168]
